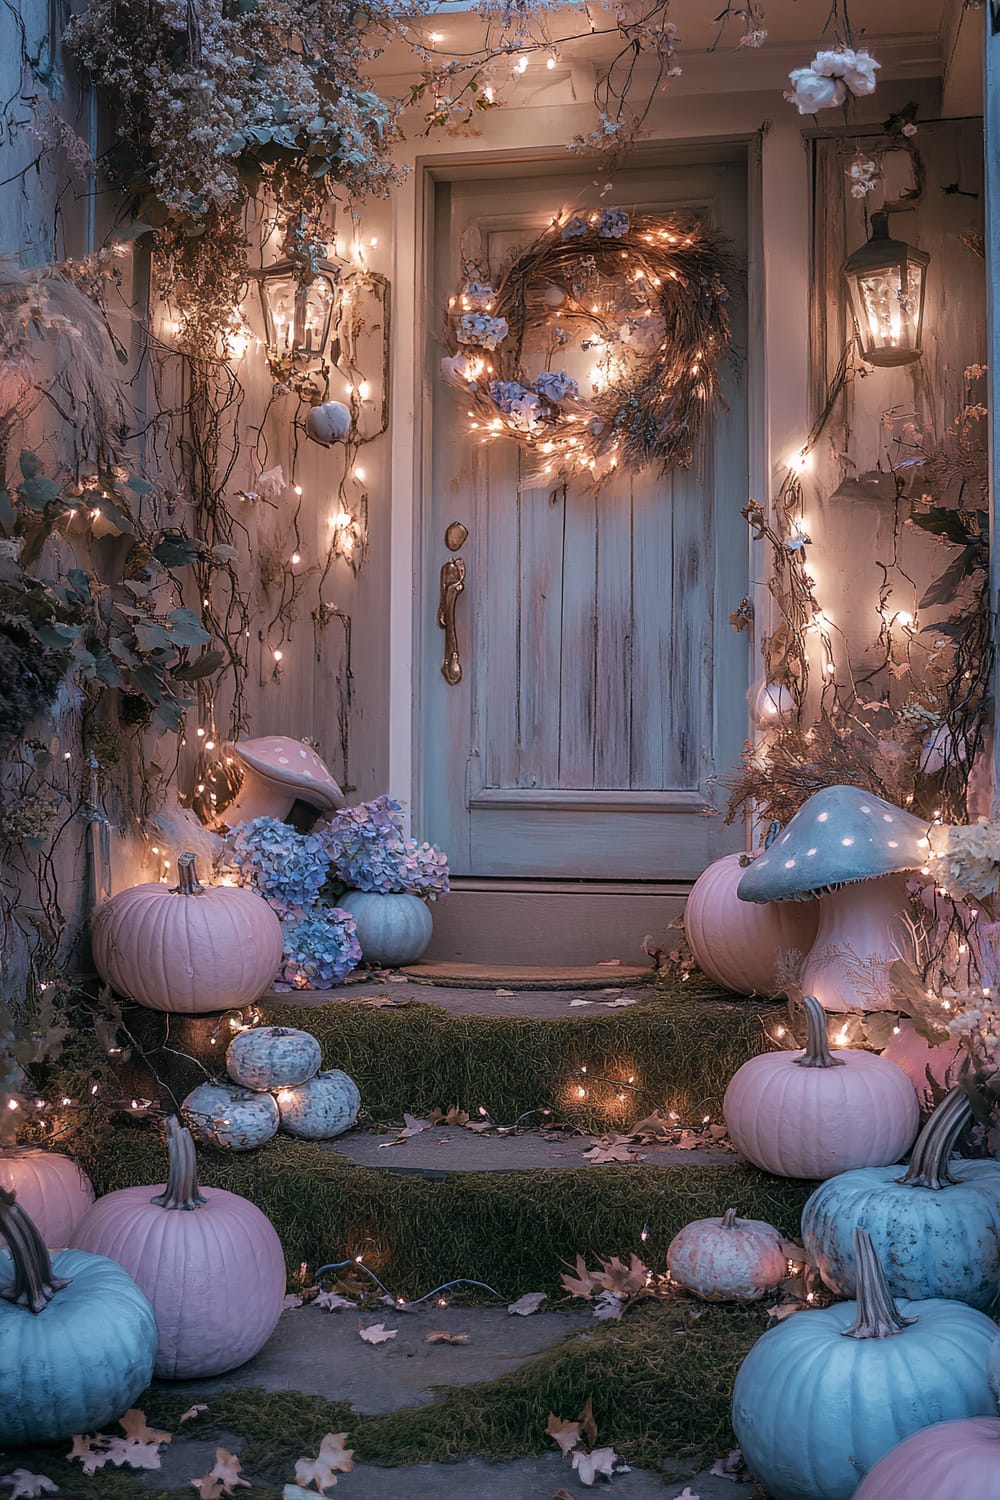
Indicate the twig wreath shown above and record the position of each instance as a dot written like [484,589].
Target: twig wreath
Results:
[645,298]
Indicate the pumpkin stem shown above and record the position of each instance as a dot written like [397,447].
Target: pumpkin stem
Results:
[188,883]
[878,1316]
[34,1284]
[182,1189]
[728,1220]
[928,1165]
[817,1053]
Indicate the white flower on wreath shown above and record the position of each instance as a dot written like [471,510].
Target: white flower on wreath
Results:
[643,335]
[524,412]
[455,368]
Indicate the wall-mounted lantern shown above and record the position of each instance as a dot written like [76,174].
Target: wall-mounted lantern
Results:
[298,299]
[887,281]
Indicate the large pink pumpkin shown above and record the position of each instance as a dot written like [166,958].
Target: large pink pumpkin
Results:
[947,1461]
[209,1261]
[814,1113]
[195,948]
[737,942]
[948,1062]
[52,1190]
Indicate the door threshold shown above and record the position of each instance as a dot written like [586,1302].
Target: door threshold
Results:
[471,976]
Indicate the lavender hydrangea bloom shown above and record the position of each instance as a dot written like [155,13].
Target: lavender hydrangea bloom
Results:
[368,851]
[574,228]
[287,868]
[478,328]
[319,951]
[553,385]
[612,224]
[506,392]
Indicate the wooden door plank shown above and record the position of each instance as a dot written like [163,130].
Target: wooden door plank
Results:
[613,646]
[684,696]
[577,687]
[653,605]
[494,665]
[541,514]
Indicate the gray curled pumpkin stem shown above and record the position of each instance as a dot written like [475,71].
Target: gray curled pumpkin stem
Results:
[182,1190]
[817,1052]
[34,1284]
[188,883]
[728,1220]
[928,1164]
[878,1316]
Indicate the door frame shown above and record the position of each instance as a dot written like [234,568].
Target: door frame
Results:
[778,254]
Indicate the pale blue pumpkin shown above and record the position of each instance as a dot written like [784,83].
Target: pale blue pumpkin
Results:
[393,928]
[935,1227]
[814,1410]
[272,1057]
[231,1118]
[320,1108]
[79,1346]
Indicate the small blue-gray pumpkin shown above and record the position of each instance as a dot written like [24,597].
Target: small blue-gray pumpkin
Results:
[935,1227]
[393,928]
[827,1393]
[272,1057]
[231,1118]
[323,1107]
[77,1337]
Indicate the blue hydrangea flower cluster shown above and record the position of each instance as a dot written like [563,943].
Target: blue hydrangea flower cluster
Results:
[368,851]
[553,385]
[613,223]
[287,868]
[320,951]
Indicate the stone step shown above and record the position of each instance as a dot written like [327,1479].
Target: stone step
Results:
[445,1150]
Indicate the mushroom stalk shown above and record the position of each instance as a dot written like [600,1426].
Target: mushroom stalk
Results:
[188,883]
[860,931]
[182,1189]
[928,1165]
[878,1316]
[34,1284]
[817,1052]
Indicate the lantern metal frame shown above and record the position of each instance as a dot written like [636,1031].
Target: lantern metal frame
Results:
[902,270]
[307,340]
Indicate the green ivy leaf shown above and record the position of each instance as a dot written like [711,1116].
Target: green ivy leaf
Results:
[175,550]
[114,513]
[149,680]
[153,637]
[37,491]
[107,671]
[945,586]
[187,629]
[28,463]
[167,715]
[204,666]
[56,636]
[122,653]
[139,486]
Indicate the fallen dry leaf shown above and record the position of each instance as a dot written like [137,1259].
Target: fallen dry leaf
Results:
[411,1126]
[83,1445]
[731,1467]
[562,1495]
[226,1471]
[589,1466]
[452,1116]
[617,1277]
[376,1333]
[333,1459]
[133,1424]
[687,1493]
[505,993]
[382,1002]
[193,1411]
[583,1284]
[28,1486]
[609,1307]
[290,1300]
[207,1487]
[619,1003]
[528,1304]
[588,1426]
[655,1127]
[333,1302]
[583,1002]
[609,963]
[136,1455]
[442,1336]
[611,1148]
[565,1434]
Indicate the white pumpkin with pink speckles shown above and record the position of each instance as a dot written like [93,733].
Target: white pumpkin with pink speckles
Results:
[727,1259]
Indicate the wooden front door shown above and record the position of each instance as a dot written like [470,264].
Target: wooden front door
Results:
[602,687]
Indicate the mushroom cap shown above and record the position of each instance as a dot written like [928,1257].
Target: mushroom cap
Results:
[840,836]
[289,766]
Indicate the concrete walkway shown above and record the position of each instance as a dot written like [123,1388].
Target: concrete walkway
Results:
[444,1149]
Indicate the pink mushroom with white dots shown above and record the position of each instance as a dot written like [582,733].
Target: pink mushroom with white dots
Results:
[277,772]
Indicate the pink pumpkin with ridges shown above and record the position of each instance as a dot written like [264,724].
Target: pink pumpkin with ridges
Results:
[53,1191]
[209,1262]
[946,1461]
[727,1259]
[736,942]
[192,949]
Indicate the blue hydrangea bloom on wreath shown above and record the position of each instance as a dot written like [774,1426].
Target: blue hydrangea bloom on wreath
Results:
[643,297]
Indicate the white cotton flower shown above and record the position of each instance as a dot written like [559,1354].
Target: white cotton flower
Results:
[812,91]
[855,69]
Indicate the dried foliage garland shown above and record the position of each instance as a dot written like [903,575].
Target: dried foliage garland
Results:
[645,297]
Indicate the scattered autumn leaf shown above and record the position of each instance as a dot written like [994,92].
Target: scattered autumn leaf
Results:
[565,1434]
[589,1466]
[193,1411]
[562,1495]
[290,1300]
[609,963]
[133,1424]
[609,1307]
[333,1459]
[442,1336]
[207,1487]
[732,1467]
[225,1473]
[84,1445]
[583,1284]
[655,1127]
[505,993]
[123,1451]
[615,1276]
[619,1003]
[583,1002]
[528,1304]
[28,1486]
[411,1126]
[452,1116]
[611,1148]
[383,1002]
[687,1493]
[588,1425]
[377,1333]
[333,1302]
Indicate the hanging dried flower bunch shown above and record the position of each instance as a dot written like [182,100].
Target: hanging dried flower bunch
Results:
[643,300]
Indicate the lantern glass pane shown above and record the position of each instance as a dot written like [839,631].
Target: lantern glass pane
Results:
[888,304]
[297,315]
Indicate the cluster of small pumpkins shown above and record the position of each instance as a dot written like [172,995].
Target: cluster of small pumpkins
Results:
[854,1394]
[276,1083]
[173,1280]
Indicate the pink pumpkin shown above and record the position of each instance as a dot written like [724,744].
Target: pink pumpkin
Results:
[52,1190]
[815,1113]
[209,1261]
[947,1461]
[727,1259]
[737,942]
[190,949]
[947,1063]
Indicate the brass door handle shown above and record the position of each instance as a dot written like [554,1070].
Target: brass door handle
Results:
[452,584]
